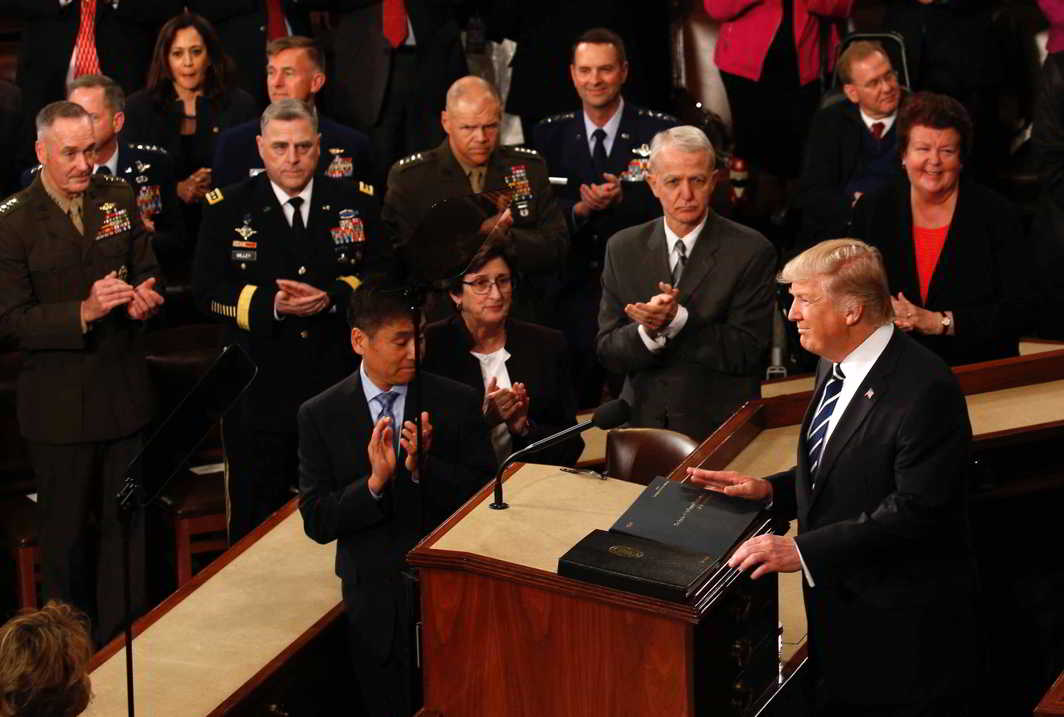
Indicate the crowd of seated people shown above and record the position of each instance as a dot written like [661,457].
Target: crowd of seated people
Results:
[618,271]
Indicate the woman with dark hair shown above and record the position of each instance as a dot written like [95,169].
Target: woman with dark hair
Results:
[521,370]
[189,99]
[952,249]
[44,658]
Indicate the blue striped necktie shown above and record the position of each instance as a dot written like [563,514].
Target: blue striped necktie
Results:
[818,429]
[386,399]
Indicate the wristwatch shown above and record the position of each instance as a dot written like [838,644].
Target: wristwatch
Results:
[947,321]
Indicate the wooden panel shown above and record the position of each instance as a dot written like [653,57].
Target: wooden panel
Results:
[1052,705]
[537,652]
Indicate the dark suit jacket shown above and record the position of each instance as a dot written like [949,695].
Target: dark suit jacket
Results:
[245,245]
[831,161]
[982,276]
[538,358]
[562,141]
[241,26]
[374,536]
[74,387]
[1047,140]
[714,365]
[363,60]
[345,153]
[885,534]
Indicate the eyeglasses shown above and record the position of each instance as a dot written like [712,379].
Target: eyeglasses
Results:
[482,284]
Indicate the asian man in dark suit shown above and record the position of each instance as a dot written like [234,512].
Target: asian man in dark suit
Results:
[360,485]
[880,495]
[686,312]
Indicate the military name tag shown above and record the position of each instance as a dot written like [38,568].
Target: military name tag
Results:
[245,255]
[115,221]
[149,200]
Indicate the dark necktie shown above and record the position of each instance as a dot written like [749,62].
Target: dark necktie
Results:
[598,154]
[818,429]
[877,129]
[299,229]
[386,400]
[102,169]
[681,262]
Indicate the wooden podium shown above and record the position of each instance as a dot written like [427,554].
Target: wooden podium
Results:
[504,634]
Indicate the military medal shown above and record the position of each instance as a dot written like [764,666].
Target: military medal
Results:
[638,168]
[115,221]
[350,230]
[340,166]
[142,167]
[517,181]
[149,201]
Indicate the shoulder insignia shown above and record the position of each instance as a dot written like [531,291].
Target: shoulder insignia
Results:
[9,204]
[365,188]
[214,196]
[561,117]
[411,160]
[150,148]
[526,150]
[109,178]
[657,115]
[35,170]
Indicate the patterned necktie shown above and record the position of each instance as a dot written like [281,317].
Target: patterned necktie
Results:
[299,229]
[681,262]
[275,26]
[386,400]
[877,129]
[86,62]
[818,429]
[393,21]
[598,154]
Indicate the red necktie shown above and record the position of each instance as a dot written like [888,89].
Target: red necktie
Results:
[275,27]
[877,129]
[85,60]
[393,21]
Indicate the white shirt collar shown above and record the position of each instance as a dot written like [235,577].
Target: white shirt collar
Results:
[888,122]
[372,390]
[688,240]
[611,127]
[282,197]
[111,164]
[860,361]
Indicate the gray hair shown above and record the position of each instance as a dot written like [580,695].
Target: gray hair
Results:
[113,96]
[58,110]
[851,270]
[471,87]
[686,139]
[288,110]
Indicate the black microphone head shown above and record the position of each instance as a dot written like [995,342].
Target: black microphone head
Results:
[611,414]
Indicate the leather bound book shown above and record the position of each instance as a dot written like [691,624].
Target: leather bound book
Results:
[637,565]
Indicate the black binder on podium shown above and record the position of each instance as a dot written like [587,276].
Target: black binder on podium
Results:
[669,544]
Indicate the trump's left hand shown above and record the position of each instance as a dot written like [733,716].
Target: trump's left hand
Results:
[769,553]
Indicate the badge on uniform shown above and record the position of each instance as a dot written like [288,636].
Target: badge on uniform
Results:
[115,221]
[149,200]
[517,181]
[244,254]
[637,168]
[141,167]
[245,232]
[340,166]
[350,230]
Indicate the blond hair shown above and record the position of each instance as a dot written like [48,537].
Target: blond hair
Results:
[852,273]
[44,656]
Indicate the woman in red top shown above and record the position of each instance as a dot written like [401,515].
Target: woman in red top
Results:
[953,250]
[769,57]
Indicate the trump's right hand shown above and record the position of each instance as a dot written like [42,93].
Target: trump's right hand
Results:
[732,483]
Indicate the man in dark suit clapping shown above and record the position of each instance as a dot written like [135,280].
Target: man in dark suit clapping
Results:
[880,495]
[360,484]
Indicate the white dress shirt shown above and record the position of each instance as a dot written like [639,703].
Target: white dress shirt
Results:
[888,122]
[493,365]
[611,127]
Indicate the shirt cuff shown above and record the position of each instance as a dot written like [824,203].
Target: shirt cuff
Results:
[805,568]
[676,325]
[653,345]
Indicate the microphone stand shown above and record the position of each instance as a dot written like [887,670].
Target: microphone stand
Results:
[499,504]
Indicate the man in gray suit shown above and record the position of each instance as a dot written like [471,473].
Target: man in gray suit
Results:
[686,311]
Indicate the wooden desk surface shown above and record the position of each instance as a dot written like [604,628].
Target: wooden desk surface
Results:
[215,640]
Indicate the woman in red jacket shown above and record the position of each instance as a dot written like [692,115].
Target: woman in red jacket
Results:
[769,57]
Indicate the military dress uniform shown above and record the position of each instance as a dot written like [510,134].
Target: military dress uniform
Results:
[83,395]
[345,154]
[245,245]
[539,236]
[149,170]
[563,142]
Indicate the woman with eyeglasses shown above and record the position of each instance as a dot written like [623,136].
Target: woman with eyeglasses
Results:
[521,369]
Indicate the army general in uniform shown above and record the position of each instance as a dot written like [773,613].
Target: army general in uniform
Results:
[77,280]
[470,161]
[277,258]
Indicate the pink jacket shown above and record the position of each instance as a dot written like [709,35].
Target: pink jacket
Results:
[1054,12]
[748,26]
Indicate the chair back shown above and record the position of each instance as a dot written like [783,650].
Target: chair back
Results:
[639,455]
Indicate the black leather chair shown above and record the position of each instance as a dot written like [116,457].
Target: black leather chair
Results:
[638,455]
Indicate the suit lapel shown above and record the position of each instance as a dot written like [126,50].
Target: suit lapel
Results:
[871,391]
[453,178]
[657,253]
[908,282]
[621,151]
[580,152]
[91,216]
[51,217]
[702,259]
[946,267]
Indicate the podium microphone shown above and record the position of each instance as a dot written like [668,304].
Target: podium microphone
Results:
[608,415]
